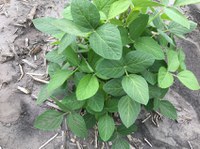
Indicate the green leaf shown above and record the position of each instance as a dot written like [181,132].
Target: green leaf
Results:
[166,37]
[46,25]
[65,42]
[106,42]
[72,103]
[85,66]
[157,21]
[87,87]
[185,2]
[49,120]
[181,57]
[106,127]
[177,17]
[43,95]
[111,105]
[138,61]
[124,35]
[104,5]
[85,14]
[156,104]
[150,46]
[72,57]
[150,77]
[120,144]
[136,87]
[145,3]
[167,109]
[77,125]
[58,79]
[157,92]
[126,131]
[114,87]
[110,68]
[173,60]
[96,103]
[55,57]
[132,16]
[67,13]
[165,2]
[165,79]
[52,68]
[157,64]
[118,7]
[54,26]
[90,120]
[77,77]
[179,30]
[189,80]
[138,26]
[128,110]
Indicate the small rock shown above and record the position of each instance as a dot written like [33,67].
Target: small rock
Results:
[8,125]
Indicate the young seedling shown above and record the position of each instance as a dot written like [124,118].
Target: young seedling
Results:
[113,56]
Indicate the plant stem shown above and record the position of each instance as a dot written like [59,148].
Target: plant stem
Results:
[126,72]
[155,16]
[64,133]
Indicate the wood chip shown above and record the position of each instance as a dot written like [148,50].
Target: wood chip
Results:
[145,139]
[29,63]
[21,71]
[191,147]
[78,145]
[148,117]
[26,42]
[31,14]
[46,143]
[24,90]
[103,145]
[129,138]
[52,105]
[39,80]
[72,140]
[131,147]
[96,140]
[35,74]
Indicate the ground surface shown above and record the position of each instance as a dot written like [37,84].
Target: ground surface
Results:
[18,110]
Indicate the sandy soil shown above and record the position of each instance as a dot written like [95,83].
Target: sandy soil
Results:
[18,110]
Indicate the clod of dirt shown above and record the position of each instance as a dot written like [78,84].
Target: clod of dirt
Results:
[10,107]
[7,74]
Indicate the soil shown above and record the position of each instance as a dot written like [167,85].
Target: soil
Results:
[18,110]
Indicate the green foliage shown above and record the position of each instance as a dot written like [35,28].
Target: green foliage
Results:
[136,87]
[87,87]
[106,42]
[120,143]
[177,17]
[128,110]
[49,120]
[113,57]
[189,80]
[85,14]
[166,108]
[150,46]
[138,26]
[185,2]
[118,7]
[165,78]
[106,127]
[77,125]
